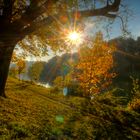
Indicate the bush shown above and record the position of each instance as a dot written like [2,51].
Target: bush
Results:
[74,89]
[54,90]
[134,104]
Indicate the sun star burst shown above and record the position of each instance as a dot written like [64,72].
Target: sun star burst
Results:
[74,37]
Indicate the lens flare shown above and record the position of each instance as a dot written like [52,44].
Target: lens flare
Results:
[59,118]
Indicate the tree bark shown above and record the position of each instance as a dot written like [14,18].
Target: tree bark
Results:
[6,50]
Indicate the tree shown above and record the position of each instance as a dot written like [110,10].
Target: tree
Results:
[59,82]
[13,71]
[94,69]
[35,71]
[20,67]
[22,22]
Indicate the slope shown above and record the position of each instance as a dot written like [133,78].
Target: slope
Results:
[32,112]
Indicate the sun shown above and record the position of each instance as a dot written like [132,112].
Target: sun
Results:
[73,36]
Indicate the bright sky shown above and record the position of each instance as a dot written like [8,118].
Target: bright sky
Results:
[133,22]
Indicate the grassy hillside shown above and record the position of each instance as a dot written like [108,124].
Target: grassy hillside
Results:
[31,112]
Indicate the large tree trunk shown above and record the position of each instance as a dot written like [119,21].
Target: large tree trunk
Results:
[6,51]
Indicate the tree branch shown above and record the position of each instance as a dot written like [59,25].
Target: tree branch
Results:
[26,25]
[32,12]
[105,11]
[35,26]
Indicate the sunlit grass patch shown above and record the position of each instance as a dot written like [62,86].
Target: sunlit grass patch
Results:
[31,111]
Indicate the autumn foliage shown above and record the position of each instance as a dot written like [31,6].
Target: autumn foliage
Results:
[94,70]
[20,66]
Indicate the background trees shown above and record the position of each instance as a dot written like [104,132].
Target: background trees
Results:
[35,70]
[57,66]
[13,71]
[21,65]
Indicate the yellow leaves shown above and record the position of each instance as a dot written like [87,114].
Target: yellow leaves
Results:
[95,66]
[20,66]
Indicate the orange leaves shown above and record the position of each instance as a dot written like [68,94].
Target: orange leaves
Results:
[95,66]
[21,64]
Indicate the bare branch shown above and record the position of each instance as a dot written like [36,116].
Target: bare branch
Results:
[124,27]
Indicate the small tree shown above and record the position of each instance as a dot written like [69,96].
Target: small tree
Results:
[35,70]
[20,67]
[58,82]
[13,71]
[94,69]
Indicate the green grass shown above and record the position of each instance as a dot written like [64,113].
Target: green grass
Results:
[32,112]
